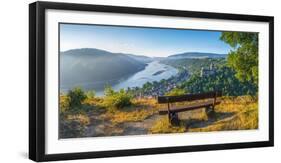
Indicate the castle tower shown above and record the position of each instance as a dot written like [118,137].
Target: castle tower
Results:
[202,71]
[211,66]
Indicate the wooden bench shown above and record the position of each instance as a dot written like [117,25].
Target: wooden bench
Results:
[206,100]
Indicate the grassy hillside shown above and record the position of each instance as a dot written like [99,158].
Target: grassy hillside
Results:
[95,117]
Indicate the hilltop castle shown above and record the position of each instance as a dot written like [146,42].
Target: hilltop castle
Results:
[207,71]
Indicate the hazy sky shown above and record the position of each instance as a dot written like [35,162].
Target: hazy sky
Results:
[140,41]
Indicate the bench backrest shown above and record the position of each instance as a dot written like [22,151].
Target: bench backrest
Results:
[188,97]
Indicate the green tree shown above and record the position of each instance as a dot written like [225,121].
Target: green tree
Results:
[224,80]
[108,91]
[117,99]
[243,58]
[76,97]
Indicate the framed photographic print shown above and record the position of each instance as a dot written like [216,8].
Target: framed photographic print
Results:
[118,81]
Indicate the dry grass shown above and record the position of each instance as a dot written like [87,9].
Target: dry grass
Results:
[94,101]
[146,102]
[83,119]
[163,126]
[132,116]
[199,115]
[245,115]
[140,110]
[242,114]
[64,103]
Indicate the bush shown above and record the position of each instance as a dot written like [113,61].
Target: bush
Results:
[73,120]
[117,99]
[90,94]
[76,97]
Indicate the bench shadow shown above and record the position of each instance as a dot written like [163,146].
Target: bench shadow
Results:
[197,123]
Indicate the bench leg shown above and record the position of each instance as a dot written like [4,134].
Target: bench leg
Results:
[174,118]
[210,111]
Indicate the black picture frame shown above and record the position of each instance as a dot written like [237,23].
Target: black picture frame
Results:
[37,80]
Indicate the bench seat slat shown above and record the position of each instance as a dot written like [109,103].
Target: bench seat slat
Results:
[189,107]
[188,97]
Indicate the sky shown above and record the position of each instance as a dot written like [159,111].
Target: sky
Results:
[152,42]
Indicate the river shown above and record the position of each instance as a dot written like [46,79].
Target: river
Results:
[154,71]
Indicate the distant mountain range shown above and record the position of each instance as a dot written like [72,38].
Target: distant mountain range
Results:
[140,58]
[95,67]
[196,55]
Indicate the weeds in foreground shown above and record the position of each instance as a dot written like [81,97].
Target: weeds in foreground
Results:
[163,126]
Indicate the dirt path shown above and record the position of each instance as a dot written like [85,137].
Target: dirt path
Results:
[140,128]
[101,126]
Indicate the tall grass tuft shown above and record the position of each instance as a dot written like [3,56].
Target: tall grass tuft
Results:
[163,126]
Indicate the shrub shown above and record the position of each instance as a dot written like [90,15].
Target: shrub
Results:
[117,99]
[90,94]
[108,91]
[76,97]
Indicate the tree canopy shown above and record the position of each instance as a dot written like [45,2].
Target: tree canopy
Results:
[243,58]
[224,80]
